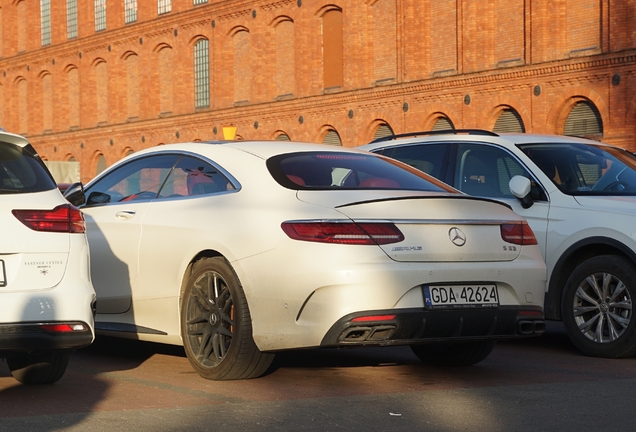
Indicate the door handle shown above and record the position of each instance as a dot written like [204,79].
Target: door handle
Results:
[124,214]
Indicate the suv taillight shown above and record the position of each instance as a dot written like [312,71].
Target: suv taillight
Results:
[344,232]
[63,218]
[518,233]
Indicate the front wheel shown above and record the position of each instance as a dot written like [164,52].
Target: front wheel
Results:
[597,307]
[453,354]
[216,325]
[42,367]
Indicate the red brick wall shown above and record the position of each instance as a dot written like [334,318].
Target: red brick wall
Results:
[404,63]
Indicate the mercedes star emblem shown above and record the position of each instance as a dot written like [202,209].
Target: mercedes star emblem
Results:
[457,236]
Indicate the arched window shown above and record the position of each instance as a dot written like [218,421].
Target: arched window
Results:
[73,97]
[100,15]
[201,74]
[383,130]
[130,11]
[71,19]
[101,80]
[101,164]
[242,66]
[23,109]
[443,123]
[132,85]
[509,121]
[47,102]
[285,58]
[45,22]
[332,45]
[384,40]
[165,80]
[332,138]
[584,121]
[282,137]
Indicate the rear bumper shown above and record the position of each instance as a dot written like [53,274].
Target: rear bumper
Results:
[420,326]
[34,337]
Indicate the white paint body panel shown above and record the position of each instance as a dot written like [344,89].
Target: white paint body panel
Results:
[47,273]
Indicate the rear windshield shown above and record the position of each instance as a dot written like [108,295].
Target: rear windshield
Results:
[346,171]
[22,171]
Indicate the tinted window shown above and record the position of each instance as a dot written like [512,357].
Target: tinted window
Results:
[335,170]
[140,179]
[192,176]
[585,169]
[430,158]
[22,171]
[486,171]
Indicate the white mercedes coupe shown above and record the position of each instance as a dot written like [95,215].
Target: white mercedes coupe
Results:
[237,250]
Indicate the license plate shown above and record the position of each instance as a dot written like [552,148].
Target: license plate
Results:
[461,296]
[3,275]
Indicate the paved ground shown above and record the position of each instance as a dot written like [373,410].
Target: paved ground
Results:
[542,384]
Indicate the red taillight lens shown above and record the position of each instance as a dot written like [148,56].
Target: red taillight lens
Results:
[64,218]
[373,318]
[344,232]
[63,328]
[518,233]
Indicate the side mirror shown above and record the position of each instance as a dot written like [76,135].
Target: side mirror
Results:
[98,198]
[520,188]
[75,194]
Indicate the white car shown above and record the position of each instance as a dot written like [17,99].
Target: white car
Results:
[46,297]
[240,249]
[579,197]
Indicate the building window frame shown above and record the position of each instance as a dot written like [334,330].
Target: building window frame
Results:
[45,22]
[164,6]
[202,73]
[130,11]
[71,19]
[100,15]
[199,2]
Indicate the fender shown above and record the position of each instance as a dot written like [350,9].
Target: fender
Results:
[568,260]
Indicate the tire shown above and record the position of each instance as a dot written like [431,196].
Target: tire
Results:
[453,354]
[43,367]
[216,325]
[597,307]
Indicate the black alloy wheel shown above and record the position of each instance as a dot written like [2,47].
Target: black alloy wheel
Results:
[216,324]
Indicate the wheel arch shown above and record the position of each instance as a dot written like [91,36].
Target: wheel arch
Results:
[570,259]
[208,253]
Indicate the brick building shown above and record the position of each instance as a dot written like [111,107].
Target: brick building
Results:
[93,80]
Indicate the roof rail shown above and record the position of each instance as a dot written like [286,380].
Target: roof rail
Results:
[437,132]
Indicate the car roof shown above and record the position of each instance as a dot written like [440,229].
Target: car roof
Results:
[505,139]
[261,149]
[13,138]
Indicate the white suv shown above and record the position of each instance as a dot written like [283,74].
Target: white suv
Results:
[46,296]
[579,197]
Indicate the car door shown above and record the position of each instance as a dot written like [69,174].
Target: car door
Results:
[187,205]
[115,206]
[485,170]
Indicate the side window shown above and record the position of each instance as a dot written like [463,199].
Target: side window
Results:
[486,171]
[430,158]
[192,176]
[136,180]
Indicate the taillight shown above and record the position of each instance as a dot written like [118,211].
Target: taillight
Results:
[64,218]
[518,233]
[63,328]
[373,318]
[344,232]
